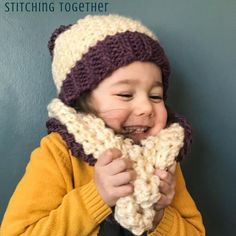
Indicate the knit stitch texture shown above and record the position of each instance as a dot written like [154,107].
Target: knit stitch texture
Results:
[135,212]
[90,50]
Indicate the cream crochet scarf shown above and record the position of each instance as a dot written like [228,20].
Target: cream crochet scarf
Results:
[134,212]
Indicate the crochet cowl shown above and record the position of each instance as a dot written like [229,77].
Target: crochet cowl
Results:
[85,53]
[134,212]
[54,125]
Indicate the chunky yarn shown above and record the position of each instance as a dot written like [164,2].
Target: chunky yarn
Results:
[134,212]
[85,53]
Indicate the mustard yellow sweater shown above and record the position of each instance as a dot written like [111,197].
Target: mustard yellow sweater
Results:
[57,197]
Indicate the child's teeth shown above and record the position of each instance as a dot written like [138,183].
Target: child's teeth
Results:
[139,130]
[135,130]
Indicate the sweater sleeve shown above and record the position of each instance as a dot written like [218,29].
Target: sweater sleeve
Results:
[45,202]
[182,216]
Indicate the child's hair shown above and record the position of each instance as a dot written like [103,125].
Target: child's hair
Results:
[82,103]
[85,53]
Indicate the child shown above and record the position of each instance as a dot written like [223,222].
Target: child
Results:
[114,68]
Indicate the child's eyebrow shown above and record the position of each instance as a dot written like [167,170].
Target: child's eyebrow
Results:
[157,83]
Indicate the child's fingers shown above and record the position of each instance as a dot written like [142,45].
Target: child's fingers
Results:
[166,188]
[167,175]
[164,176]
[124,190]
[172,168]
[123,178]
[119,165]
[108,156]
[163,188]
[164,201]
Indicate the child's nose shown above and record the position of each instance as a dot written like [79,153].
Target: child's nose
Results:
[144,107]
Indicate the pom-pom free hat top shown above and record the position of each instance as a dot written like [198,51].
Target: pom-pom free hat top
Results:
[88,51]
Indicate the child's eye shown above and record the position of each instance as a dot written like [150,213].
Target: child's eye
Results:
[156,98]
[125,95]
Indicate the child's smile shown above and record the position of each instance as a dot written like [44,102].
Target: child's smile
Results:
[137,132]
[130,101]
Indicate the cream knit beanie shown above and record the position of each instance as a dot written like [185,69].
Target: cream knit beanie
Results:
[88,51]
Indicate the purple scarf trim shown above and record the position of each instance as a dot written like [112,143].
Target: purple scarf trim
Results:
[53,125]
[175,117]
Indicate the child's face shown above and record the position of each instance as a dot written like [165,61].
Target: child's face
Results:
[130,101]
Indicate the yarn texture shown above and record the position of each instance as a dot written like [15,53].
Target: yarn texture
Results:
[134,212]
[89,31]
[85,53]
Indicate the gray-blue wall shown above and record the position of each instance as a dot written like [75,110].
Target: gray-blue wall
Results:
[199,37]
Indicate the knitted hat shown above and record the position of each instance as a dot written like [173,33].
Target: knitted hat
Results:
[85,53]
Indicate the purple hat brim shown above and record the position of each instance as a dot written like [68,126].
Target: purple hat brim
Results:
[108,55]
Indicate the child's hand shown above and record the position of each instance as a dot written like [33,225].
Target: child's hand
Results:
[167,190]
[112,176]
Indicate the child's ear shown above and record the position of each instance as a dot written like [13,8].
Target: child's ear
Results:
[55,34]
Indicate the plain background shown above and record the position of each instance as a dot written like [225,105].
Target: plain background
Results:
[199,37]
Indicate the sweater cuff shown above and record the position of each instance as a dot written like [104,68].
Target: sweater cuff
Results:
[95,205]
[165,224]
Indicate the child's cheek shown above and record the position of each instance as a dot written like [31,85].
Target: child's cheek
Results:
[114,118]
[160,121]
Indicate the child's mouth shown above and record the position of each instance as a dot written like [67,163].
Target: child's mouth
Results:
[136,133]
[134,129]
